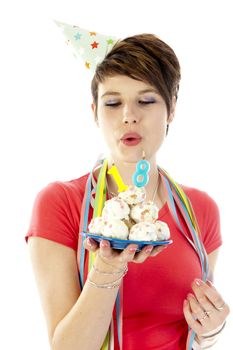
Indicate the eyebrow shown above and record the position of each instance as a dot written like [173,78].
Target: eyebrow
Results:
[139,92]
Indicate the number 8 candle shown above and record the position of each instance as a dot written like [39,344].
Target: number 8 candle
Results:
[142,170]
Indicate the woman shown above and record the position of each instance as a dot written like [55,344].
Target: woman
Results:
[134,93]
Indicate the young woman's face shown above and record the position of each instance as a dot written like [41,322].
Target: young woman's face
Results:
[127,106]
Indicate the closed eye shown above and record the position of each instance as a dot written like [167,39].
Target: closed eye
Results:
[118,103]
[146,102]
[112,104]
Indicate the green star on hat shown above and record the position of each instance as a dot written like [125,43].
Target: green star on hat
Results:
[91,47]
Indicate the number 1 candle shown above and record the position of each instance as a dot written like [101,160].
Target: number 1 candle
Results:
[115,173]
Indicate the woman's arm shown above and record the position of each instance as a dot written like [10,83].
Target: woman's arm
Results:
[77,320]
[74,320]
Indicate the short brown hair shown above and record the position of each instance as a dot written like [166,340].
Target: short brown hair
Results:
[143,57]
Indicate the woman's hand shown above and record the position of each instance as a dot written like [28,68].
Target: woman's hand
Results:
[121,257]
[205,310]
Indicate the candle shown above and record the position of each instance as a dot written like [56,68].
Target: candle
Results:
[115,173]
[141,177]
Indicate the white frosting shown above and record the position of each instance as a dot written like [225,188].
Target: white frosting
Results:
[96,225]
[162,230]
[115,228]
[143,231]
[116,208]
[133,195]
[147,211]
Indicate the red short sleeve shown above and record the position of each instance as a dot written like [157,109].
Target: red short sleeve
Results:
[208,217]
[55,216]
[211,224]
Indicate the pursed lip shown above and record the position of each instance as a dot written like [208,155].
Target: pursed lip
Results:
[131,135]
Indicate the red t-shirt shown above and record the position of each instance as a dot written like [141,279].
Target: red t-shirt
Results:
[154,290]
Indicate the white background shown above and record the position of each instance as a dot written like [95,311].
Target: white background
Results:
[47,132]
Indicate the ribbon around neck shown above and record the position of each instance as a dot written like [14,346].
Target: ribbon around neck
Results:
[176,197]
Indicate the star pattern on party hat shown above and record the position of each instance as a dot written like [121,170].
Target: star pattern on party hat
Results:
[91,47]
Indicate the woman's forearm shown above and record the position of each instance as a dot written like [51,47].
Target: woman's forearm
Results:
[87,323]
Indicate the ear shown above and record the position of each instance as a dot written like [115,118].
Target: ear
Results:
[93,107]
[172,113]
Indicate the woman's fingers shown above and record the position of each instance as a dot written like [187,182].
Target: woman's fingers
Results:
[210,299]
[158,250]
[128,254]
[117,257]
[146,252]
[201,315]
[105,249]
[205,311]
[143,254]
[192,322]
[90,244]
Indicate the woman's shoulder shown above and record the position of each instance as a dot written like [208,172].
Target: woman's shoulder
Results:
[194,191]
[62,191]
[208,215]
[56,211]
[201,200]
[77,184]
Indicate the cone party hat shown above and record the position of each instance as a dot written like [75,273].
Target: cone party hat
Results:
[90,47]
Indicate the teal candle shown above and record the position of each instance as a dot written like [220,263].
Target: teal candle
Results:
[141,177]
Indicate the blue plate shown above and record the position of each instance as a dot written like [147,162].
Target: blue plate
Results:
[117,243]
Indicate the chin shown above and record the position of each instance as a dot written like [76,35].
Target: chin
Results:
[129,154]
[132,156]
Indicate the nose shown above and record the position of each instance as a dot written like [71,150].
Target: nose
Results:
[129,116]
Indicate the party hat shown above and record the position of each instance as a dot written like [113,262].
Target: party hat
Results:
[91,47]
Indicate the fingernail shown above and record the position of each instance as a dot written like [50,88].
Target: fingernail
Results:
[132,249]
[198,282]
[103,244]
[190,295]
[185,302]
[148,250]
[210,283]
[89,243]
